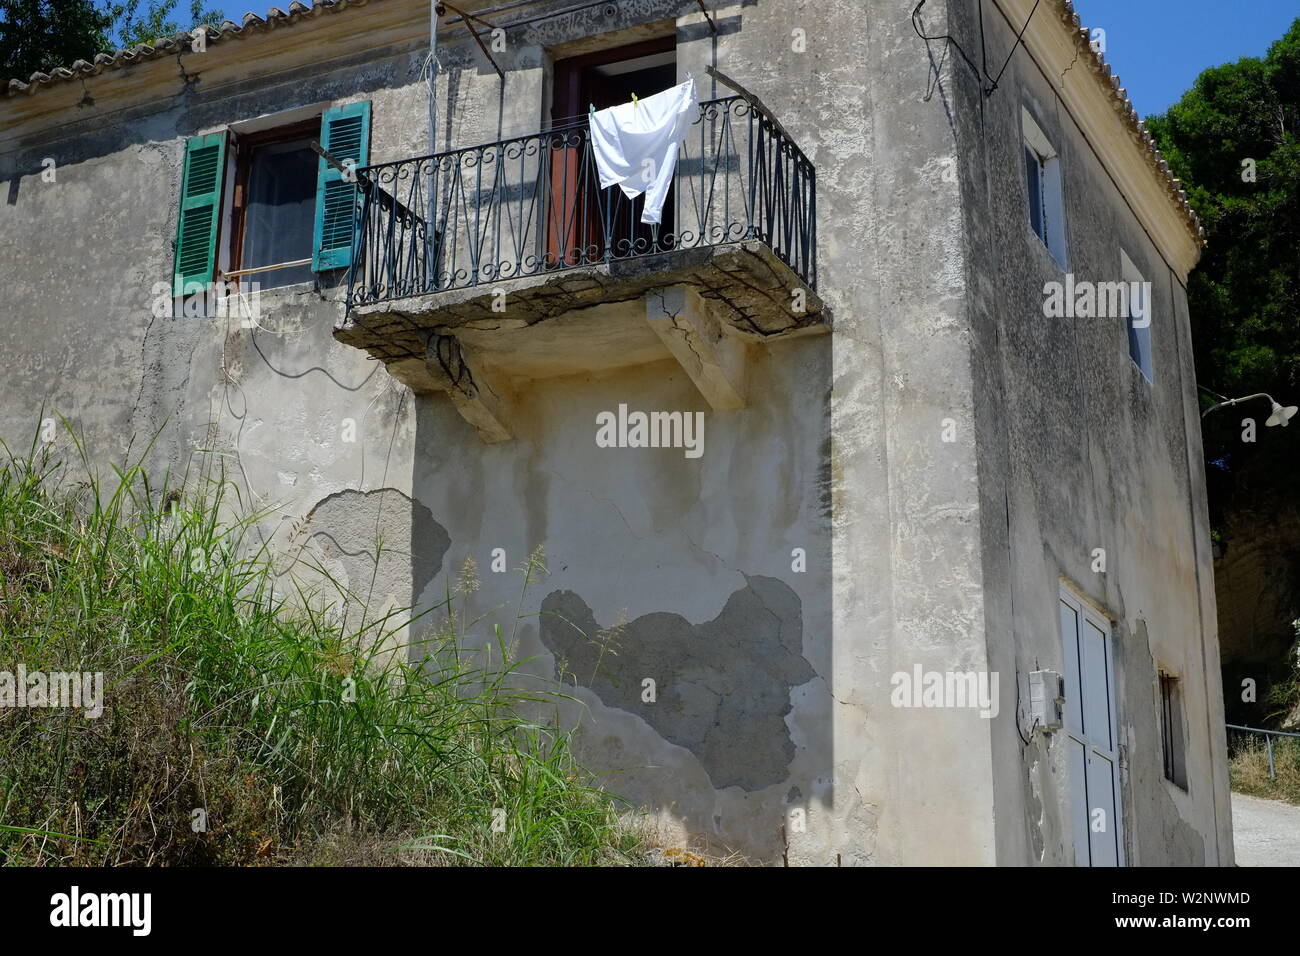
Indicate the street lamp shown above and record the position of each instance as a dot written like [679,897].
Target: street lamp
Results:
[1281,415]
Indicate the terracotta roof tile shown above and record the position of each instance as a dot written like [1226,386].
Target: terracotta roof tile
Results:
[1122,105]
[167,46]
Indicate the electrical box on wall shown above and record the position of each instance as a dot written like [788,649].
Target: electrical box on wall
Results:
[1046,699]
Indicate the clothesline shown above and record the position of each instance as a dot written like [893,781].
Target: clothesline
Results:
[563,121]
[556,123]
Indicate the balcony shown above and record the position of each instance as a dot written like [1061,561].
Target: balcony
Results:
[508,261]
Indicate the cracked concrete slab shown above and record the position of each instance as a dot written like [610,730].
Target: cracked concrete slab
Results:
[744,283]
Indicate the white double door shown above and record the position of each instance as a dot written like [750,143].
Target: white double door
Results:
[1090,734]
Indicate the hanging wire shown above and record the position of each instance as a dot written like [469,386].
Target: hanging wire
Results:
[943,36]
[429,73]
[1019,36]
[982,73]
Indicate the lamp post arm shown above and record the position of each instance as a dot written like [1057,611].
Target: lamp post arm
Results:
[1237,401]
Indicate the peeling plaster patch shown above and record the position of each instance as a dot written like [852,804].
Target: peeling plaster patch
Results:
[350,526]
[1180,842]
[723,687]
[1034,805]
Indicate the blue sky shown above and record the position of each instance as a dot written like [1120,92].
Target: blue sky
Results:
[1159,47]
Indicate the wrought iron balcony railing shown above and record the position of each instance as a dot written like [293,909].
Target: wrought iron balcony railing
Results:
[533,205]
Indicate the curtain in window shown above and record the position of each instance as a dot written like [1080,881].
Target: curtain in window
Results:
[279,211]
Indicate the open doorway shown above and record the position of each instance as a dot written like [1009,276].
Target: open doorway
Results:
[581,215]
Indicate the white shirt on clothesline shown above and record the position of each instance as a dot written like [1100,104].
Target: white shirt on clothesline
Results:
[635,144]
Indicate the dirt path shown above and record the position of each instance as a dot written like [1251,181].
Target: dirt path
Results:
[1265,832]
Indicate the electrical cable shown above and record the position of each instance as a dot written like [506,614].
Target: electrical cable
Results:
[981,73]
[1019,37]
[943,36]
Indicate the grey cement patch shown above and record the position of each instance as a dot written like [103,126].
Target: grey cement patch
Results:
[1180,842]
[723,687]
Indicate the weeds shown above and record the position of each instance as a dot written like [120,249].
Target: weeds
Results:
[1249,769]
[245,726]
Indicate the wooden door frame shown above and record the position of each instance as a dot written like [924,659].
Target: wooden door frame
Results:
[568,93]
[244,146]
[567,73]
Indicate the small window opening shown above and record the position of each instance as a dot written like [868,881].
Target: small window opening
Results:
[1171,730]
[1139,328]
[274,205]
[1043,185]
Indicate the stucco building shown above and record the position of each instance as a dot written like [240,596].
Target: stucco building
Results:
[845,476]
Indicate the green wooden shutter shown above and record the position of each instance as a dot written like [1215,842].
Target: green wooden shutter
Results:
[196,223]
[345,134]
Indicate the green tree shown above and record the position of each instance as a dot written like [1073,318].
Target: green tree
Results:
[133,25]
[39,35]
[1232,140]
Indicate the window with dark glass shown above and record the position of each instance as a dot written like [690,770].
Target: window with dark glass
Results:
[1044,187]
[274,206]
[1139,336]
[1034,178]
[1171,730]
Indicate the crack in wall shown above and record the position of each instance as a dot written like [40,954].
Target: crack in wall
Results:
[1070,66]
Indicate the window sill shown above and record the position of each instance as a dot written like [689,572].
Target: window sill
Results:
[1149,382]
[1180,794]
[1038,242]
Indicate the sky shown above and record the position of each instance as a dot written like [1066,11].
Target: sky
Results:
[1159,47]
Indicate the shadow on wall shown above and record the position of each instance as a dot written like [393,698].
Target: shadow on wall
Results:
[732,676]
[724,560]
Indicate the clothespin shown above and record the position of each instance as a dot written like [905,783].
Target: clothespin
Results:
[591,108]
[634,99]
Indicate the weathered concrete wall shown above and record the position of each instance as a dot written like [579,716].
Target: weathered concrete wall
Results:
[773,708]
[1078,452]
[773,683]
[667,568]
[278,402]
[294,418]
[907,562]
[761,721]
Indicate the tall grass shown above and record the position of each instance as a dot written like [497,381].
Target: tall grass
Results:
[1248,763]
[1249,769]
[245,724]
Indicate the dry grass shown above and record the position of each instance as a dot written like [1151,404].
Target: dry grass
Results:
[666,846]
[1249,770]
[224,694]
